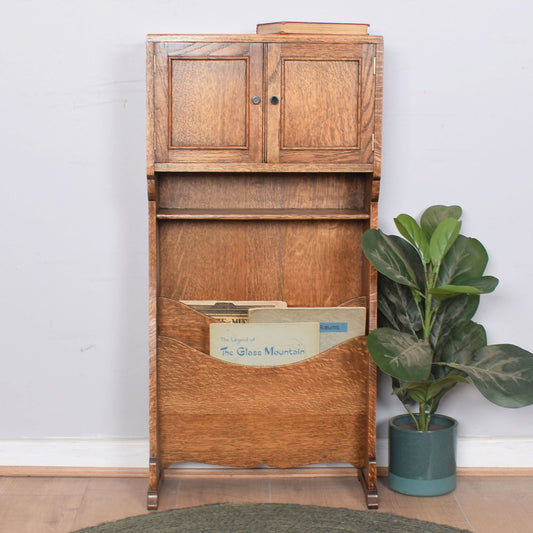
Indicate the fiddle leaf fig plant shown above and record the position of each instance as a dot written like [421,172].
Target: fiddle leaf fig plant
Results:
[430,282]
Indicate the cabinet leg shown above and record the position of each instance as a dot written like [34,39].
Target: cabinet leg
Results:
[369,480]
[155,478]
[153,500]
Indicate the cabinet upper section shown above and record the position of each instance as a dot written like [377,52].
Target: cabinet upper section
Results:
[282,101]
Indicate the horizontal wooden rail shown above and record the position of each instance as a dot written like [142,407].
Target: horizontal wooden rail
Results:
[260,214]
[264,167]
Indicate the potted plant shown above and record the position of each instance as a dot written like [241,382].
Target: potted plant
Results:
[430,282]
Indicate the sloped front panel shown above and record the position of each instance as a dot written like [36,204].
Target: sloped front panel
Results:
[215,412]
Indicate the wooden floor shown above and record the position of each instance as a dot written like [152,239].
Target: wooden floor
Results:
[61,504]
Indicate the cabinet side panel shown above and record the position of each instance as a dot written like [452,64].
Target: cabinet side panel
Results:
[367,118]
[378,110]
[152,328]
[150,63]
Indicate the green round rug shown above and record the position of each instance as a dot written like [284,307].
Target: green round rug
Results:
[268,518]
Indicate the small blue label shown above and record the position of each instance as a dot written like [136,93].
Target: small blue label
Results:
[333,327]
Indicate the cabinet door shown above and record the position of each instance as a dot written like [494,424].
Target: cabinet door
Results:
[203,102]
[323,110]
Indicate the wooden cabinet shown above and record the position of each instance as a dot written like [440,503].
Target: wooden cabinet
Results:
[263,163]
[254,102]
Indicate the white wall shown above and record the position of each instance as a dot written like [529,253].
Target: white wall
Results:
[457,116]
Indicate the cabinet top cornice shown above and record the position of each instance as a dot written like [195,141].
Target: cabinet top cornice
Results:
[267,38]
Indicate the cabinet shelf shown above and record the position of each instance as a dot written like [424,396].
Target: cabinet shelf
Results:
[260,214]
[263,167]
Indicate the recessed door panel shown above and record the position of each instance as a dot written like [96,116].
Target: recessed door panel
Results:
[204,109]
[320,104]
[208,103]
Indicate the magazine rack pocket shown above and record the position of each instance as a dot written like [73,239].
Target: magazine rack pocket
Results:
[183,323]
[212,411]
[190,327]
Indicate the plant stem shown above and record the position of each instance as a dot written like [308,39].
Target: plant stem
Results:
[415,420]
[422,417]
[428,318]
[428,315]
[430,311]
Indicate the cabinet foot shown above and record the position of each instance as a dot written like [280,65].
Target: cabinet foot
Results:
[368,479]
[153,500]
[372,499]
[155,475]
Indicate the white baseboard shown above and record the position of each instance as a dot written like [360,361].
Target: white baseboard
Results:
[472,452]
[91,453]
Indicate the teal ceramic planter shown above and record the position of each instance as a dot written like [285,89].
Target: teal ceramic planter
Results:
[422,463]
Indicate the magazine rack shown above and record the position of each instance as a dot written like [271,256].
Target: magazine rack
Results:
[264,157]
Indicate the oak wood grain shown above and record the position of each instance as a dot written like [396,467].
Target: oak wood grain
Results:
[155,472]
[283,168]
[261,200]
[150,110]
[203,107]
[260,214]
[268,260]
[313,411]
[326,102]
[270,38]
[259,192]
[181,322]
[210,103]
[378,110]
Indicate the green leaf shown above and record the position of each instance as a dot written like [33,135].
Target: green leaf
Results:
[393,257]
[425,391]
[475,287]
[397,306]
[458,344]
[442,386]
[461,271]
[400,355]
[442,239]
[417,391]
[503,373]
[452,315]
[485,284]
[409,228]
[445,291]
[465,261]
[434,215]
[453,330]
